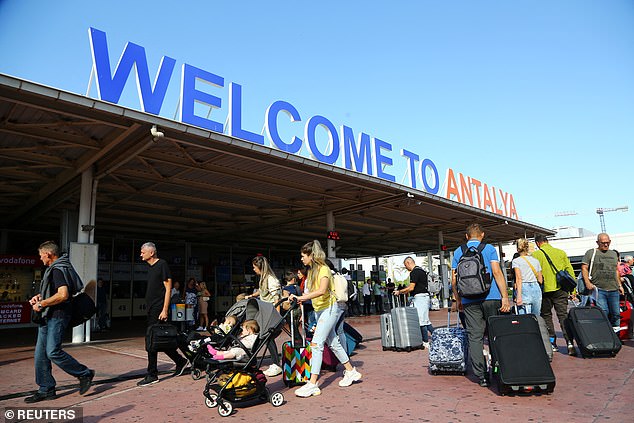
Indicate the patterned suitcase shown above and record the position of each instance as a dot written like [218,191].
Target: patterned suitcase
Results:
[295,360]
[406,328]
[448,349]
[387,332]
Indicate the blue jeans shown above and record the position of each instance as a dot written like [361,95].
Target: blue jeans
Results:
[532,297]
[608,301]
[326,332]
[49,349]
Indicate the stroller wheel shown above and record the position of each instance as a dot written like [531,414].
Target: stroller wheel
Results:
[196,374]
[211,401]
[224,408]
[277,399]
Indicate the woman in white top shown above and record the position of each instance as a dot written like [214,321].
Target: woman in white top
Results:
[269,290]
[528,278]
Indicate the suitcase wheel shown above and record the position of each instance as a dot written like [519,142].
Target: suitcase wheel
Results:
[384,348]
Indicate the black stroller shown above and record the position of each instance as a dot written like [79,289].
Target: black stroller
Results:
[241,381]
[198,356]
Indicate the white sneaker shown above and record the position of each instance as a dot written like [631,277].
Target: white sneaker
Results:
[616,329]
[350,376]
[308,390]
[273,370]
[425,345]
[200,328]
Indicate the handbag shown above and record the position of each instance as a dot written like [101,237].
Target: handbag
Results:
[564,280]
[161,337]
[36,317]
[82,309]
[581,284]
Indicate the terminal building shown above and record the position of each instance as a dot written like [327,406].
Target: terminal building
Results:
[78,169]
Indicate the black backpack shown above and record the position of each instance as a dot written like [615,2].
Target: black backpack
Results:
[473,280]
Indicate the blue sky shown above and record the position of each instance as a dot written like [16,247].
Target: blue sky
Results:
[533,97]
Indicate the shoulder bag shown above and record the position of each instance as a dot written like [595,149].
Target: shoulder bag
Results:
[581,284]
[564,280]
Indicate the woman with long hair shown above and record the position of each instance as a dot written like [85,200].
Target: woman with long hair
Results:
[320,287]
[203,299]
[269,290]
[528,278]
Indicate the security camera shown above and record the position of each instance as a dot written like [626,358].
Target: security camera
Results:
[156,134]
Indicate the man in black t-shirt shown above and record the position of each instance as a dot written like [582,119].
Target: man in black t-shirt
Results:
[53,304]
[157,300]
[419,290]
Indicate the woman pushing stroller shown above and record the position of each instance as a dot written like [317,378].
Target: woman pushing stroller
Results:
[327,313]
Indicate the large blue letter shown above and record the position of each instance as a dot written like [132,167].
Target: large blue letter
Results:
[235,120]
[412,158]
[109,88]
[361,153]
[190,95]
[271,126]
[333,142]
[423,174]
[381,159]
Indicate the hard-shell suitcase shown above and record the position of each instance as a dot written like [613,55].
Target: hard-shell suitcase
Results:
[593,332]
[352,338]
[387,332]
[352,332]
[519,360]
[407,333]
[329,360]
[295,360]
[543,329]
[448,349]
[627,331]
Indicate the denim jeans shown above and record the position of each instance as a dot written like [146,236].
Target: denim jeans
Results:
[421,303]
[532,297]
[326,332]
[608,301]
[49,349]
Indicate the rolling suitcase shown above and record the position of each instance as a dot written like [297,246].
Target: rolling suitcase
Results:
[627,330]
[593,332]
[352,338]
[543,329]
[352,332]
[387,332]
[295,360]
[407,333]
[519,361]
[448,349]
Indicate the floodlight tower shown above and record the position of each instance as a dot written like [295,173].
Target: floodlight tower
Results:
[601,211]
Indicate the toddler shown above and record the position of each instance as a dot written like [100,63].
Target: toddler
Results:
[250,330]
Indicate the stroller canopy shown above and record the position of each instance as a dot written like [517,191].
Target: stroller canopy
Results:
[254,309]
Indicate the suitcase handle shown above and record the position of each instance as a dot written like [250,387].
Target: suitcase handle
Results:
[301,321]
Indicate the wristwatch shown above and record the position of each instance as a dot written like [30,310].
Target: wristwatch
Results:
[39,304]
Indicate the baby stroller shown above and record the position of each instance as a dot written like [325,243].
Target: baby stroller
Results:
[241,381]
[193,345]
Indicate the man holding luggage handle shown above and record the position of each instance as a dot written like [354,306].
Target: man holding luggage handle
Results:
[605,277]
[418,288]
[477,311]
[553,295]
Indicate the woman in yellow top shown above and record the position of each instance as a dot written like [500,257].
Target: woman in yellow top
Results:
[327,313]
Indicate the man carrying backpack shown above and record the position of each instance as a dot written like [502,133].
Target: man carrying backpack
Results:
[480,289]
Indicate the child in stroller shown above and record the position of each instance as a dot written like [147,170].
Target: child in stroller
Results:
[250,330]
[239,381]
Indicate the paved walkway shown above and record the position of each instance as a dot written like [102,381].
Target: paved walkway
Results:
[396,386]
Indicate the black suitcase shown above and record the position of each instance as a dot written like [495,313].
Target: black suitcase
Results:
[519,360]
[593,332]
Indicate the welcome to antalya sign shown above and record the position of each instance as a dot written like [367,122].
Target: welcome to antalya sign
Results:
[358,152]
